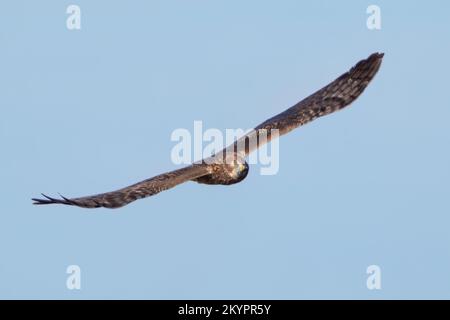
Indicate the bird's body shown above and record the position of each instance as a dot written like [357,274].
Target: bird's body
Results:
[230,166]
[230,171]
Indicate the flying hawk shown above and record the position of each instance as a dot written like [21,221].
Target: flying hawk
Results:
[333,97]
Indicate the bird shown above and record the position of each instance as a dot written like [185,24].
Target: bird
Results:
[333,97]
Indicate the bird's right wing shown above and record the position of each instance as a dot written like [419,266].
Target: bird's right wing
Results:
[146,188]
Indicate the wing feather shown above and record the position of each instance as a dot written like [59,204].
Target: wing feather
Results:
[124,196]
[331,98]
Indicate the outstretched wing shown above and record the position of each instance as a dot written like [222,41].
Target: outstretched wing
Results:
[146,188]
[333,97]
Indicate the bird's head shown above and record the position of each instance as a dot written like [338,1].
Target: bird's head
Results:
[240,170]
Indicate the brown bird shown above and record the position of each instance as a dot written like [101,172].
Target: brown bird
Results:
[333,97]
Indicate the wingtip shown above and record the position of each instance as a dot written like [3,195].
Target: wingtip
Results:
[50,200]
[377,55]
[36,201]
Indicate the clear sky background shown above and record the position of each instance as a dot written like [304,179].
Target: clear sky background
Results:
[92,110]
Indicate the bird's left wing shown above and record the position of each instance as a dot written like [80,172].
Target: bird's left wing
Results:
[146,188]
[331,98]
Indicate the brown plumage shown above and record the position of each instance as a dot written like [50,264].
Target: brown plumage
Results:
[333,97]
[146,188]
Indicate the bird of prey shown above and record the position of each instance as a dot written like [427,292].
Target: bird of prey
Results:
[333,97]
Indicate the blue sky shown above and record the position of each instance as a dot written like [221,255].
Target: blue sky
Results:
[91,110]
